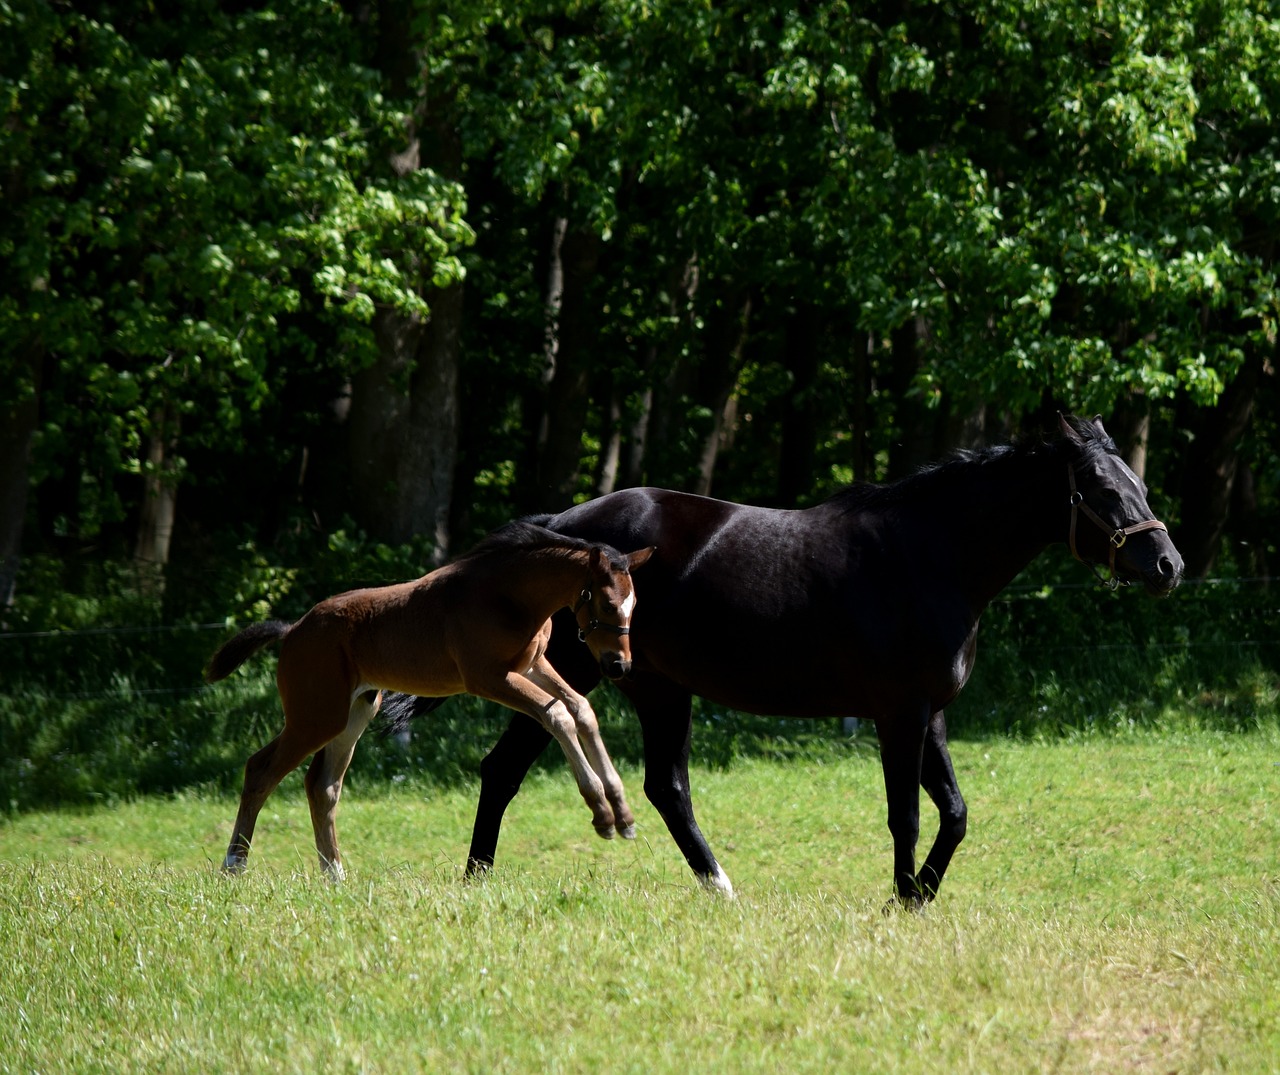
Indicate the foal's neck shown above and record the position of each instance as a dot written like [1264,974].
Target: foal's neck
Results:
[544,580]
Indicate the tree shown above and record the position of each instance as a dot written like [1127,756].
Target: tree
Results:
[228,171]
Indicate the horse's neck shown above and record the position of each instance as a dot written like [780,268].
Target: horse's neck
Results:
[1004,519]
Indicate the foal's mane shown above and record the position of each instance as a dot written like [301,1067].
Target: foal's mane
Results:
[526,535]
[963,465]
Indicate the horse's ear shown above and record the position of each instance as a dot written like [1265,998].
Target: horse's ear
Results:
[1068,430]
[640,558]
[1097,424]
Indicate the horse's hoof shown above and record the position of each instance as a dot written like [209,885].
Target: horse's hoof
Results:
[476,871]
[606,832]
[627,832]
[718,882]
[912,904]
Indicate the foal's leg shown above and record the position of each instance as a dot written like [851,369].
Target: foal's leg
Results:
[314,712]
[584,719]
[901,750]
[516,692]
[324,781]
[262,774]
[938,778]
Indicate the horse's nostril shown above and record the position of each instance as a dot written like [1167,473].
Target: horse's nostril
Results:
[1166,567]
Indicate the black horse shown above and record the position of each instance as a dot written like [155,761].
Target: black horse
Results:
[866,606]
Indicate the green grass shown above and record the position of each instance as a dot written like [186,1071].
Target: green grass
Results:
[1115,908]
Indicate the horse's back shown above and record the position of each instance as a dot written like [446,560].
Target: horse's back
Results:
[763,609]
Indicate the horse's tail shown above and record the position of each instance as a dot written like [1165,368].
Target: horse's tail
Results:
[399,709]
[234,652]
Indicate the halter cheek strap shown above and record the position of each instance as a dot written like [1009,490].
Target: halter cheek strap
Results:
[593,624]
[1117,536]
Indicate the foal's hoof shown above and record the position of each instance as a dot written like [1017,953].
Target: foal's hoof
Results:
[627,832]
[606,832]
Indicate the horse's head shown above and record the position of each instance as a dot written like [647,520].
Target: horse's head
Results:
[605,606]
[1110,521]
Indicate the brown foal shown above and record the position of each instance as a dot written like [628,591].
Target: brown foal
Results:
[479,625]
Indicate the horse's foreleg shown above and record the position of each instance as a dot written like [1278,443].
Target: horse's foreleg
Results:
[901,748]
[666,720]
[501,773]
[938,778]
[588,730]
[523,695]
[324,781]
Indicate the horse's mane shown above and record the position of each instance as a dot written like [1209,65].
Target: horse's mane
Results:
[966,464]
[527,535]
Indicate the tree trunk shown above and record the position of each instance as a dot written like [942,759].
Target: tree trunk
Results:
[916,443]
[430,450]
[159,500]
[18,422]
[633,458]
[800,412]
[405,409]
[1209,470]
[378,420]
[1130,427]
[610,442]
[727,340]
[564,411]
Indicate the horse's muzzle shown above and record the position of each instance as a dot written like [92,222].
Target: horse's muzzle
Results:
[615,666]
[1162,579]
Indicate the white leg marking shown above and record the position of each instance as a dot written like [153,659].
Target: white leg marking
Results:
[718,881]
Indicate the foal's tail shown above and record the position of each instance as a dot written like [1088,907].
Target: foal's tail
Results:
[236,651]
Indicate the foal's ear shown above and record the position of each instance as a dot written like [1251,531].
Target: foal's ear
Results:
[640,558]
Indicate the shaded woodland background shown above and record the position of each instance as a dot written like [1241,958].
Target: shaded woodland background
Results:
[402,270]
[297,295]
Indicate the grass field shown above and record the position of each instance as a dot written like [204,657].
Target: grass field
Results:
[1115,908]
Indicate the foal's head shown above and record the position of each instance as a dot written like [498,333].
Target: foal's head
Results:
[605,606]
[1110,520]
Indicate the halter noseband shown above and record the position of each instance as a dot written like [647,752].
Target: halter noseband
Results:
[1116,536]
[593,624]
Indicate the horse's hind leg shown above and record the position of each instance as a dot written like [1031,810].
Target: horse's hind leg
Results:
[584,719]
[324,781]
[262,774]
[938,778]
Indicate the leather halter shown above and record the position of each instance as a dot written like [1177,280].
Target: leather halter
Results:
[1117,536]
[594,624]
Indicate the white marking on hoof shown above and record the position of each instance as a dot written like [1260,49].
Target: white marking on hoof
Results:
[718,881]
[333,871]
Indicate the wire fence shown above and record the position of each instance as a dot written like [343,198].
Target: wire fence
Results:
[1228,635]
